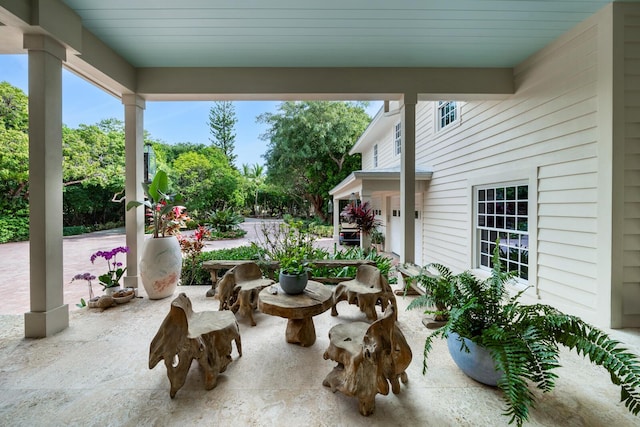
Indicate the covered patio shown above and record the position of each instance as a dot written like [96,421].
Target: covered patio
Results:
[212,51]
[92,368]
[96,373]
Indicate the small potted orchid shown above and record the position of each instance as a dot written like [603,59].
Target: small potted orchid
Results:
[87,277]
[110,280]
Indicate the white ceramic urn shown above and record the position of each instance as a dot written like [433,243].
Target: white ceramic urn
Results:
[161,266]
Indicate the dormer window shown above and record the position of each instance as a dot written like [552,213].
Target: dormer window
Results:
[448,114]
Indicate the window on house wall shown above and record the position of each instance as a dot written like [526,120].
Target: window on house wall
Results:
[448,114]
[375,156]
[398,138]
[503,213]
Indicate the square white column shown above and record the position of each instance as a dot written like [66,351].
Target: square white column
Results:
[48,313]
[134,107]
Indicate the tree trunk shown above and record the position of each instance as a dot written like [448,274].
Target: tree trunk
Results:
[318,204]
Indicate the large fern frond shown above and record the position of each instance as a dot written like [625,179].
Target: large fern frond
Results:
[622,365]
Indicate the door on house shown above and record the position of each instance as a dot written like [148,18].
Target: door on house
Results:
[396,237]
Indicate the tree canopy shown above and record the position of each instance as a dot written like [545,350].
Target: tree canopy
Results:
[306,157]
[309,144]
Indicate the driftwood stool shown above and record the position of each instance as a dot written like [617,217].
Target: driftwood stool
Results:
[239,288]
[369,356]
[368,288]
[186,335]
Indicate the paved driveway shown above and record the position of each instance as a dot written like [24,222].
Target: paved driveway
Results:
[14,264]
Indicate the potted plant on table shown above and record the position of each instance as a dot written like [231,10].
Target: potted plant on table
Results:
[519,343]
[294,274]
[161,260]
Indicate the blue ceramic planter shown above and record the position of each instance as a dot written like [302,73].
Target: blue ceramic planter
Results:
[477,363]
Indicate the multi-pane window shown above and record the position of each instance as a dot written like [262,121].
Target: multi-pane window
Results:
[398,138]
[375,156]
[503,214]
[447,113]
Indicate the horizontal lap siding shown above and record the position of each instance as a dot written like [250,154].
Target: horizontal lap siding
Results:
[548,126]
[631,135]
[386,155]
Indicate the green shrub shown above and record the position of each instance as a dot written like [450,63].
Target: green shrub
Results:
[355,252]
[239,253]
[223,220]
[321,230]
[200,276]
[231,234]
[74,230]
[14,229]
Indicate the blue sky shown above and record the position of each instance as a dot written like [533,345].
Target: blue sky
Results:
[170,122]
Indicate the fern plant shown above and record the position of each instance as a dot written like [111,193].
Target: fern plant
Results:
[438,290]
[524,340]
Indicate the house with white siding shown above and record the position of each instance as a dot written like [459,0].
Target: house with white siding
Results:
[552,170]
[538,127]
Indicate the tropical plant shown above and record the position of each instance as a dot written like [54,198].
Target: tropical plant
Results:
[290,244]
[377,236]
[362,215]
[191,263]
[167,216]
[224,220]
[295,265]
[523,339]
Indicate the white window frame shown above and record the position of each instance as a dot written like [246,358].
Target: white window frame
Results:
[492,219]
[375,156]
[443,122]
[397,139]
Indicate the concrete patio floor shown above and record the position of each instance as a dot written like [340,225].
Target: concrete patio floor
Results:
[96,371]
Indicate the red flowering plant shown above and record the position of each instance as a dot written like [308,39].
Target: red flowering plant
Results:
[115,271]
[166,213]
[362,215]
[192,273]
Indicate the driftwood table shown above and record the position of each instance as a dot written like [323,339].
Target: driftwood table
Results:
[299,309]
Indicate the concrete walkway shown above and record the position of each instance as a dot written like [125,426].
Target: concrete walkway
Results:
[14,268]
